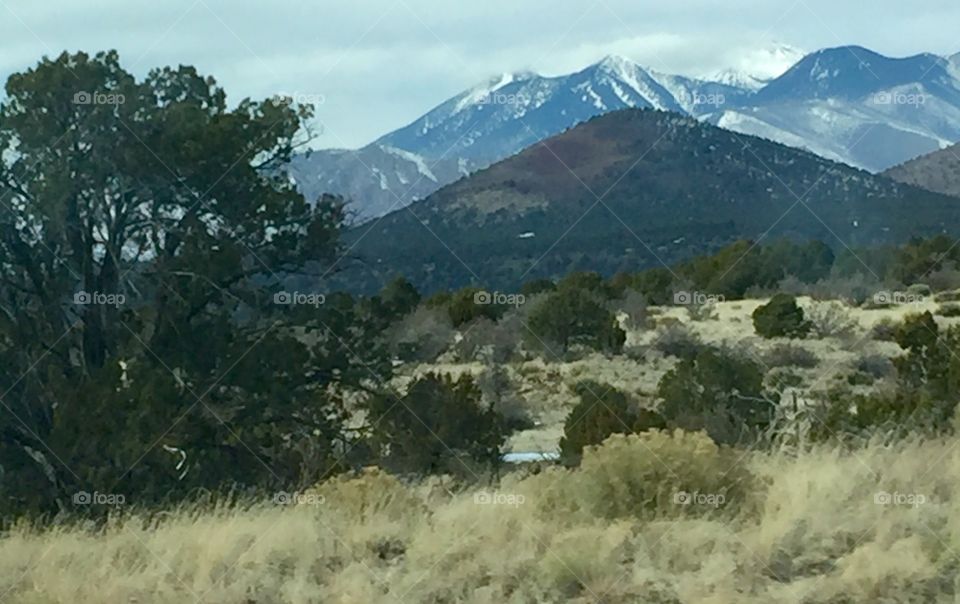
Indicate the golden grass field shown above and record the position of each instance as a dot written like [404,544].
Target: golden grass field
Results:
[658,518]
[876,524]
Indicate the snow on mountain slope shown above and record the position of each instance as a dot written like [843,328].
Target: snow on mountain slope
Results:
[384,178]
[859,107]
[756,68]
[848,104]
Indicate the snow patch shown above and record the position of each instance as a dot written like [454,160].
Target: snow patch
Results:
[417,160]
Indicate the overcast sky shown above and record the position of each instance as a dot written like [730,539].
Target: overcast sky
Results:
[379,64]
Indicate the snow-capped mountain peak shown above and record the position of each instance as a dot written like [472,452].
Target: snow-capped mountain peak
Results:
[848,104]
[739,79]
[617,65]
[483,92]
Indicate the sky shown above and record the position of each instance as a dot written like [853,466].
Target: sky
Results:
[372,66]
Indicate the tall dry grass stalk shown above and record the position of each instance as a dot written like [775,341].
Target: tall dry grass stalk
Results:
[656,518]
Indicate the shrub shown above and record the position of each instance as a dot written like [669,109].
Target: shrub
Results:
[702,312]
[718,392]
[499,394]
[574,316]
[781,317]
[397,299]
[537,286]
[895,414]
[489,341]
[949,310]
[634,306]
[662,474]
[436,421]
[875,365]
[602,411]
[587,281]
[884,330]
[927,360]
[790,355]
[677,340]
[831,320]
[472,303]
[422,335]
[949,296]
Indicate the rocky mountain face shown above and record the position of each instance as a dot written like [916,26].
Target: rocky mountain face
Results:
[633,189]
[847,104]
[938,171]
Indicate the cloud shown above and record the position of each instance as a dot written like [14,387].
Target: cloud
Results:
[382,63]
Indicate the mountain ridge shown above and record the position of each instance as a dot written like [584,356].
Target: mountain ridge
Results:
[671,186]
[848,104]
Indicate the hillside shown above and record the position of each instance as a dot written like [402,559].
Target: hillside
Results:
[672,187]
[489,122]
[938,171]
[848,104]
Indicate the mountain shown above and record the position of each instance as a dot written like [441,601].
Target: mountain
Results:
[671,186]
[512,112]
[847,104]
[855,106]
[384,177]
[756,68]
[939,171]
[490,122]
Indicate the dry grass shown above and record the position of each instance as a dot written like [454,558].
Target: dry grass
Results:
[546,386]
[805,528]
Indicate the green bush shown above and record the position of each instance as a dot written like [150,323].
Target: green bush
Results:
[574,316]
[602,411]
[790,355]
[472,303]
[718,392]
[437,421]
[781,318]
[675,339]
[537,286]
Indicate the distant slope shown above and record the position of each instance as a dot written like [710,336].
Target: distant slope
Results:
[490,122]
[856,106]
[848,104]
[939,171]
[672,187]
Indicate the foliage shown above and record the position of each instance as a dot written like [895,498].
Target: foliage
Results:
[601,411]
[790,355]
[396,300]
[435,425]
[657,473]
[574,316]
[831,320]
[781,317]
[147,344]
[718,392]
[472,303]
[676,339]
